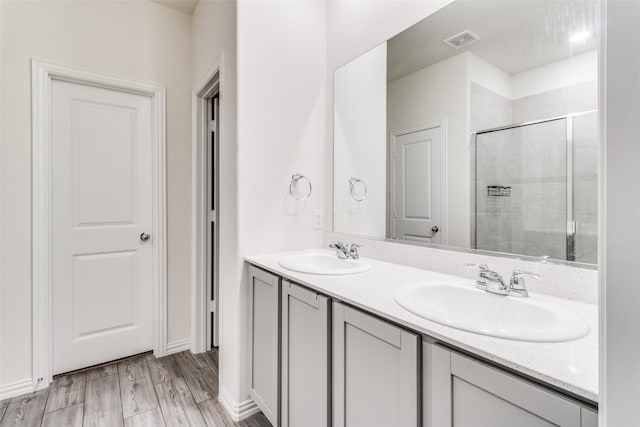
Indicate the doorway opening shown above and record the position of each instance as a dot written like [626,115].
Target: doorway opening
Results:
[208,132]
[212,255]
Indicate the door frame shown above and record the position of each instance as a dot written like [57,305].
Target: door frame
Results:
[210,83]
[394,135]
[42,76]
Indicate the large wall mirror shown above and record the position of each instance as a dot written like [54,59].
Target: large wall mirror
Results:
[475,128]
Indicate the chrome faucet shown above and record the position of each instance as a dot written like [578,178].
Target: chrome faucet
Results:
[344,251]
[493,282]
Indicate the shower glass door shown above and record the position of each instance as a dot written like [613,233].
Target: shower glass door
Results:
[535,189]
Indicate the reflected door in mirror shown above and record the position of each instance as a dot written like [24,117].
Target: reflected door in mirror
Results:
[416,186]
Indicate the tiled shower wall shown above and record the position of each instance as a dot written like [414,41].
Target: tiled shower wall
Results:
[532,161]
[585,187]
[497,155]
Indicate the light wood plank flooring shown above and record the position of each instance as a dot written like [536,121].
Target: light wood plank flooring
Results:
[177,390]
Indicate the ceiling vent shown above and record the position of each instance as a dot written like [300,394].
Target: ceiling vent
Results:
[462,39]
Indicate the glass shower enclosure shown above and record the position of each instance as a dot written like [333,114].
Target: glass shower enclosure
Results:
[535,188]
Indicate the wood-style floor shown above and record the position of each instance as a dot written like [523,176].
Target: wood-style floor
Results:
[177,390]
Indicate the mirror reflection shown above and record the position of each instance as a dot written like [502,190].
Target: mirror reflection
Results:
[475,128]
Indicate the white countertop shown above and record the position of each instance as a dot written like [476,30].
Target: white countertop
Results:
[570,366]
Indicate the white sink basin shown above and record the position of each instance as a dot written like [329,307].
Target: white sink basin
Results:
[323,263]
[462,306]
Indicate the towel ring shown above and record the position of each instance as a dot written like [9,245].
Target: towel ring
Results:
[352,184]
[295,179]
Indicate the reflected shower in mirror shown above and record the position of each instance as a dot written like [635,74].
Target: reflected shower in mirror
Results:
[475,128]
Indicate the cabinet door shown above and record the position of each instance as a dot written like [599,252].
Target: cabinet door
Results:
[462,392]
[589,418]
[305,357]
[264,342]
[375,371]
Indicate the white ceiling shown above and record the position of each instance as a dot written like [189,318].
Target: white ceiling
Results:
[186,6]
[515,35]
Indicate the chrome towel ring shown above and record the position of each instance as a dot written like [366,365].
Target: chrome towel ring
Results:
[295,180]
[352,184]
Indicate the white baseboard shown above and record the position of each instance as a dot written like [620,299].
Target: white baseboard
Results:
[16,389]
[178,346]
[237,411]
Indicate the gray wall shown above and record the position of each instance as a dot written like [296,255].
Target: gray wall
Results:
[620,293]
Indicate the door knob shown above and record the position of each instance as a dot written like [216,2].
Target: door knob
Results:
[144,237]
[435,228]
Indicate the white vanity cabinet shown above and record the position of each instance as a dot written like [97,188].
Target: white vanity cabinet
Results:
[264,342]
[462,392]
[375,371]
[306,352]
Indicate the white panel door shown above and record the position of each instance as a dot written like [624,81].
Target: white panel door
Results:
[101,205]
[417,186]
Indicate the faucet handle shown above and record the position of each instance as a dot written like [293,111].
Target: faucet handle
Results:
[353,251]
[482,283]
[519,273]
[516,284]
[482,267]
[341,249]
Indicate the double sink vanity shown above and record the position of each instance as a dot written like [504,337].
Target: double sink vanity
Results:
[346,341]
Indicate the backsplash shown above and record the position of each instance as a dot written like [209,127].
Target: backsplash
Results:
[573,283]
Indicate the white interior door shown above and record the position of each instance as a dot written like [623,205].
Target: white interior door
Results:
[416,187]
[101,206]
